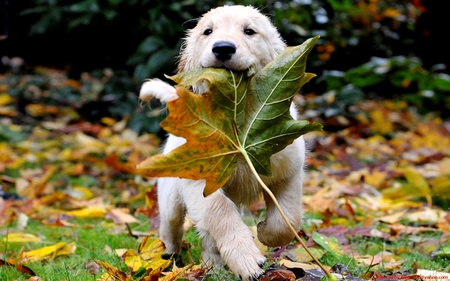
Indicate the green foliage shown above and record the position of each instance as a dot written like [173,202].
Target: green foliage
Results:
[397,77]
[149,35]
[92,240]
[159,25]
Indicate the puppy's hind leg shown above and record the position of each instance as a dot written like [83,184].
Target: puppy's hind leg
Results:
[172,213]
[274,232]
[288,191]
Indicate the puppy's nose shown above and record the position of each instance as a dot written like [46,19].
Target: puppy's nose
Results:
[223,50]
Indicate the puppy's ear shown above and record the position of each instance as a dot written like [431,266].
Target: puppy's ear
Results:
[278,44]
[181,59]
[185,59]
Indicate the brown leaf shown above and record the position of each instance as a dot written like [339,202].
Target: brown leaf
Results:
[112,273]
[278,275]
[19,267]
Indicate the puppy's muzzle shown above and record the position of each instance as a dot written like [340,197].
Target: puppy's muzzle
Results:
[223,50]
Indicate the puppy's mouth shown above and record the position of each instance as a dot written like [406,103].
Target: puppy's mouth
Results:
[251,70]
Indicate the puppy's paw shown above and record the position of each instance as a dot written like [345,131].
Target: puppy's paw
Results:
[246,262]
[254,273]
[158,89]
[274,237]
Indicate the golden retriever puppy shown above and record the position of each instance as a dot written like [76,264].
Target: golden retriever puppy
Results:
[237,38]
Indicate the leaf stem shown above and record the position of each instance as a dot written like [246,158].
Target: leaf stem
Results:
[283,215]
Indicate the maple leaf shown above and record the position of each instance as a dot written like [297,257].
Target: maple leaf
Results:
[240,116]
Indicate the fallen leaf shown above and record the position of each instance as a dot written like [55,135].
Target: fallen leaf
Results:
[89,212]
[278,275]
[432,275]
[441,186]
[52,251]
[330,244]
[19,267]
[21,238]
[120,217]
[427,215]
[380,258]
[291,264]
[299,254]
[93,268]
[5,99]
[393,218]
[233,120]
[112,273]
[442,252]
[148,256]
[190,270]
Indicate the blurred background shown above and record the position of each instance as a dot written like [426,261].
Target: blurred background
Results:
[372,49]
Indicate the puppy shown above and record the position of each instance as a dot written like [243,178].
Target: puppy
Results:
[237,38]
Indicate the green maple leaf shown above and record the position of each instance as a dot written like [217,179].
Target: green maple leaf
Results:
[239,117]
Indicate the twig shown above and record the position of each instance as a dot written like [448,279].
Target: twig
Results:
[283,215]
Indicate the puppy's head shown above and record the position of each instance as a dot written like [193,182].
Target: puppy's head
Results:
[234,37]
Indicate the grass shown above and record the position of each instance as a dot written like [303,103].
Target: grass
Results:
[92,240]
[96,239]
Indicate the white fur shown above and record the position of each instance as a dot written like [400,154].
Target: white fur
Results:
[226,239]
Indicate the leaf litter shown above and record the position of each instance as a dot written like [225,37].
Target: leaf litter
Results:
[384,177]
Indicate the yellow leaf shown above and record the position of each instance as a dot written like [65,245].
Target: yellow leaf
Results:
[89,212]
[88,141]
[418,183]
[108,121]
[263,248]
[441,186]
[59,249]
[5,99]
[151,250]
[148,256]
[179,273]
[67,250]
[112,273]
[415,186]
[133,260]
[21,238]
[375,178]
[380,122]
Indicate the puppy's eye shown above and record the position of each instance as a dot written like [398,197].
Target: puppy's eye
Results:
[207,31]
[249,31]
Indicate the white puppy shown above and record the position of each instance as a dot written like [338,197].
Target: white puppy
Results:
[237,38]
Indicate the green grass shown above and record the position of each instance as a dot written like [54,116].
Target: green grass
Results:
[91,240]
[94,237]
[403,247]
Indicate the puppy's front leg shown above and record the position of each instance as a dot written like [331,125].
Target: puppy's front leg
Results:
[219,222]
[158,89]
